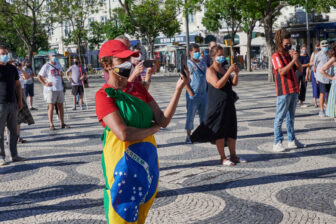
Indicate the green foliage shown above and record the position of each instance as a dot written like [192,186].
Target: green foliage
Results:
[149,18]
[23,26]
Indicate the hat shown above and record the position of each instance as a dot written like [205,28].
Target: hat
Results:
[52,53]
[117,49]
[324,43]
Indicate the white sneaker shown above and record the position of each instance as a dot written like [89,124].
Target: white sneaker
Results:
[321,113]
[295,144]
[188,140]
[3,162]
[278,147]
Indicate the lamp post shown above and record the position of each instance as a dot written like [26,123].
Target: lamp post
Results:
[187,29]
[307,26]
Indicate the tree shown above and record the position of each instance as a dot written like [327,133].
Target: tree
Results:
[29,21]
[148,19]
[218,11]
[75,15]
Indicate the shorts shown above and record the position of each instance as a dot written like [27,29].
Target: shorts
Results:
[324,87]
[29,89]
[77,89]
[55,97]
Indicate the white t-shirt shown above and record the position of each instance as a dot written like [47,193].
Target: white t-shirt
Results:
[50,72]
[22,80]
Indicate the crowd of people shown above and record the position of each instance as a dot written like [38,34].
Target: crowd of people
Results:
[131,116]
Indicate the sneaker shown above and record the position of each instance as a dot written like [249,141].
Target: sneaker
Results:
[295,144]
[321,113]
[278,147]
[303,105]
[3,162]
[73,108]
[18,159]
[188,140]
[82,108]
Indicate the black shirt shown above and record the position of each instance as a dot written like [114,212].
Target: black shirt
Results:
[304,60]
[8,77]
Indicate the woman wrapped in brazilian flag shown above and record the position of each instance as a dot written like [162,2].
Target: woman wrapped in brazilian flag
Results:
[131,117]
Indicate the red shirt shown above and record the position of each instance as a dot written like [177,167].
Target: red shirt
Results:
[106,105]
[285,84]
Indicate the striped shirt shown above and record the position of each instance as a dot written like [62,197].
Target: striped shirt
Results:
[285,84]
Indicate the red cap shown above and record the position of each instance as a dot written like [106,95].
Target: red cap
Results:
[117,49]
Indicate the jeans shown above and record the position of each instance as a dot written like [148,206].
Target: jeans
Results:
[196,103]
[286,106]
[8,114]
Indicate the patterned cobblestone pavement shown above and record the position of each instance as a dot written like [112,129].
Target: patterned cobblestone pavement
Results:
[62,181]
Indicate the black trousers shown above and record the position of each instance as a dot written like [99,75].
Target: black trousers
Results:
[302,85]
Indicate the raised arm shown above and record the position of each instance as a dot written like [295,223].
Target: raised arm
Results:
[212,78]
[163,118]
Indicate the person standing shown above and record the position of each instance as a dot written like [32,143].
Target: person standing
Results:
[196,93]
[50,76]
[316,89]
[303,76]
[207,58]
[78,74]
[29,84]
[324,83]
[10,104]
[220,125]
[329,71]
[285,61]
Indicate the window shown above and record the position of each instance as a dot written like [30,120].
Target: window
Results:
[191,18]
[66,29]
[103,19]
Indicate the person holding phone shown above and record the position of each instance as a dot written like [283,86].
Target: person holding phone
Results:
[285,62]
[143,71]
[220,125]
[130,117]
[196,94]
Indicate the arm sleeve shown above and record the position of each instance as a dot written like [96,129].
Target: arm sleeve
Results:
[43,72]
[69,69]
[190,67]
[276,62]
[104,105]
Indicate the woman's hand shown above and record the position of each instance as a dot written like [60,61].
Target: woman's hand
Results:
[232,68]
[183,80]
[139,68]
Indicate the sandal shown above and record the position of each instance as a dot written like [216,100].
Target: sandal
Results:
[227,162]
[52,128]
[65,126]
[238,160]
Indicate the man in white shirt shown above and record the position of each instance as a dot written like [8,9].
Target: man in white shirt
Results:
[50,76]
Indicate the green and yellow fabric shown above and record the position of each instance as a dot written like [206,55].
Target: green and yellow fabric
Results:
[131,169]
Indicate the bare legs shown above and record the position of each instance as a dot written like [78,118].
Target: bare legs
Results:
[220,143]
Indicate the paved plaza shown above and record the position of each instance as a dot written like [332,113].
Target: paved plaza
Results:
[62,180]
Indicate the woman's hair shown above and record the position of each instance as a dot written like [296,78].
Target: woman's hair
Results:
[317,44]
[332,51]
[106,61]
[303,46]
[280,35]
[214,50]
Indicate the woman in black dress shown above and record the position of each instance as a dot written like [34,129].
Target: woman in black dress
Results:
[220,125]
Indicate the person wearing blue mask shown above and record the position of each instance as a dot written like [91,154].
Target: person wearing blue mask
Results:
[196,93]
[320,60]
[220,125]
[51,75]
[10,87]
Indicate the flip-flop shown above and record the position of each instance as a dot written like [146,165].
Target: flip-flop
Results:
[238,160]
[65,126]
[52,128]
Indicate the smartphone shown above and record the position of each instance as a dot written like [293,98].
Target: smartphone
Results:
[182,65]
[235,60]
[148,63]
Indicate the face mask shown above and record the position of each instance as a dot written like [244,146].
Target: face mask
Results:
[54,59]
[196,55]
[303,52]
[76,62]
[138,58]
[124,69]
[220,59]
[288,47]
[4,58]
[318,49]
[325,49]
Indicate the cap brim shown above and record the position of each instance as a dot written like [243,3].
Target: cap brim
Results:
[126,54]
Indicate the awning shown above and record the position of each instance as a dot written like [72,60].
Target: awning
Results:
[134,42]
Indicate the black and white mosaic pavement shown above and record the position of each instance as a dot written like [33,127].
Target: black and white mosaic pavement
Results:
[62,181]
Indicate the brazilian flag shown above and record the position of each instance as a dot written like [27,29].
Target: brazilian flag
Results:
[131,169]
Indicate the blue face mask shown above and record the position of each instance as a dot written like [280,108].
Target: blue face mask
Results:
[196,55]
[54,59]
[4,58]
[325,49]
[220,59]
